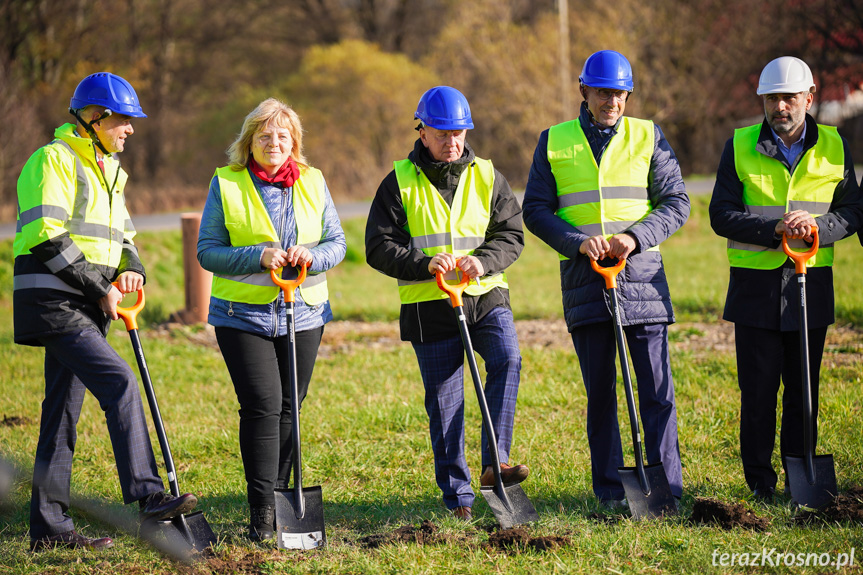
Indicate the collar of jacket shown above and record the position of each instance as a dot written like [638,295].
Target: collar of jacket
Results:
[768,146]
[585,117]
[441,174]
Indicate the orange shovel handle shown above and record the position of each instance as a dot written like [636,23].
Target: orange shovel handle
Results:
[800,258]
[454,290]
[289,285]
[609,274]
[129,315]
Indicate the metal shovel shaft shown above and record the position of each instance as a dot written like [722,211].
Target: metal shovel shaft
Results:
[154,409]
[808,423]
[630,394]
[295,417]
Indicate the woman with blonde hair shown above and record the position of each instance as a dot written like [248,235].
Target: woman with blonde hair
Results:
[266,210]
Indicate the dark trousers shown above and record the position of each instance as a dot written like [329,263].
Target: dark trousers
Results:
[596,347]
[764,357]
[75,362]
[441,365]
[259,368]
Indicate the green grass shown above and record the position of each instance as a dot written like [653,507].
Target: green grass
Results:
[366,439]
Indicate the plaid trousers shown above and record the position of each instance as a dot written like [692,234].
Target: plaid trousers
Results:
[74,362]
[441,364]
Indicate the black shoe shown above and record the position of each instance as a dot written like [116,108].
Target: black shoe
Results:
[163,505]
[764,494]
[262,519]
[71,539]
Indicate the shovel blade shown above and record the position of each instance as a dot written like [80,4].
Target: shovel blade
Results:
[307,532]
[520,512]
[181,536]
[813,496]
[659,502]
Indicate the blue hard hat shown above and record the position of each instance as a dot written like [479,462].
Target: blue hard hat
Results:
[607,69]
[107,90]
[444,108]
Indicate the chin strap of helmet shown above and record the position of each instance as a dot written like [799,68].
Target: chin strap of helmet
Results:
[95,137]
[89,127]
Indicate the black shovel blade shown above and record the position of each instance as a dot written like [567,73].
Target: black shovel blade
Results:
[813,496]
[520,512]
[659,502]
[306,533]
[181,536]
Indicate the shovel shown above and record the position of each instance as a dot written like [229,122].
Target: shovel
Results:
[811,478]
[299,511]
[647,491]
[510,505]
[185,533]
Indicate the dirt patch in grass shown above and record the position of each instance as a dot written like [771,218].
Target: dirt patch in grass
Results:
[847,506]
[517,539]
[726,515]
[844,344]
[426,534]
[237,560]
[15,421]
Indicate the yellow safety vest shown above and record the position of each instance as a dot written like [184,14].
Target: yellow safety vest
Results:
[249,224]
[436,227]
[769,189]
[608,198]
[96,221]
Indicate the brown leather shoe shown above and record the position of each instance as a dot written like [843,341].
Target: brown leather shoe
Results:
[71,539]
[463,513]
[510,475]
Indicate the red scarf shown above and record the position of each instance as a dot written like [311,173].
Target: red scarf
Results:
[285,177]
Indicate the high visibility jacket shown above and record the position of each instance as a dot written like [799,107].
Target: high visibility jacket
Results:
[436,227]
[96,222]
[248,223]
[770,190]
[608,198]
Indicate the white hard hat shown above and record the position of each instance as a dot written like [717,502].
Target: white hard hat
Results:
[785,75]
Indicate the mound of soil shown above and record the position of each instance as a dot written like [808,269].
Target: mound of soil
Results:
[847,506]
[726,515]
[517,539]
[236,561]
[426,534]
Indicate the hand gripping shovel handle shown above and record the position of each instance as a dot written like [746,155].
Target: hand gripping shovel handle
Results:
[455,292]
[800,259]
[609,274]
[129,316]
[288,287]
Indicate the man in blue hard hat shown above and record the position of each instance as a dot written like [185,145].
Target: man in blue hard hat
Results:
[779,177]
[605,185]
[73,239]
[439,210]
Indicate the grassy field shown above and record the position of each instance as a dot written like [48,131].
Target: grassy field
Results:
[366,439]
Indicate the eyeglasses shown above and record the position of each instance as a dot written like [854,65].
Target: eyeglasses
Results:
[606,94]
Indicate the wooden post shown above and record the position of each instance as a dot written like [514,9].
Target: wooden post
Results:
[197,279]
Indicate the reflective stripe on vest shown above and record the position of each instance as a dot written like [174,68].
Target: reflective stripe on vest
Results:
[249,224]
[436,227]
[608,198]
[770,190]
[95,227]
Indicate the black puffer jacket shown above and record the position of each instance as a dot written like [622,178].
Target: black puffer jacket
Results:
[388,251]
[642,288]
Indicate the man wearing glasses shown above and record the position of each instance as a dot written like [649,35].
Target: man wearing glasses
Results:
[608,186]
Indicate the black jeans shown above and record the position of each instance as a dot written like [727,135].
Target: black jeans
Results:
[259,368]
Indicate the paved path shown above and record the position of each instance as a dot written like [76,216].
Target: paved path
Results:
[159,222]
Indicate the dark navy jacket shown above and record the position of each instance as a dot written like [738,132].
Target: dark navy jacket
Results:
[642,288]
